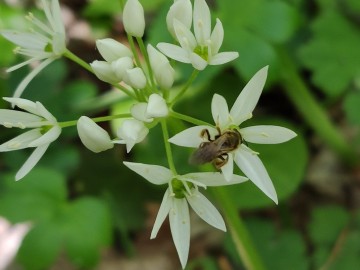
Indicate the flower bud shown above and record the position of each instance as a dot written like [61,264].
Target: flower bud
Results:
[121,65]
[112,50]
[104,72]
[133,18]
[93,136]
[182,11]
[163,71]
[132,131]
[157,106]
[135,78]
[138,111]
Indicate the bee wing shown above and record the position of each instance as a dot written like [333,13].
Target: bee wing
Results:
[204,154]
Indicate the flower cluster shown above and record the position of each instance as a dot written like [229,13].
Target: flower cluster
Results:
[148,79]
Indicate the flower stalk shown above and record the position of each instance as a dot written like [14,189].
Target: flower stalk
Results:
[315,116]
[241,237]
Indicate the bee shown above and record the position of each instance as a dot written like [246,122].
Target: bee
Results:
[216,150]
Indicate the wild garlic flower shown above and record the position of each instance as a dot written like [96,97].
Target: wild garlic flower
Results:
[94,137]
[118,59]
[156,107]
[163,71]
[202,47]
[183,190]
[45,43]
[181,10]
[118,65]
[245,158]
[131,132]
[134,18]
[44,130]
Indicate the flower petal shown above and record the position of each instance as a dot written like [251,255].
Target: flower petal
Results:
[42,111]
[180,228]
[223,57]
[253,168]
[212,179]
[157,106]
[138,111]
[163,212]
[184,36]
[220,111]
[22,141]
[191,137]
[249,97]
[197,61]
[155,174]
[31,161]
[24,104]
[182,11]
[12,118]
[206,210]
[228,168]
[202,22]
[174,52]
[217,37]
[47,138]
[267,134]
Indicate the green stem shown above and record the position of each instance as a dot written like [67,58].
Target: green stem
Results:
[189,119]
[186,86]
[147,60]
[133,49]
[125,90]
[312,112]
[167,146]
[78,60]
[96,119]
[239,233]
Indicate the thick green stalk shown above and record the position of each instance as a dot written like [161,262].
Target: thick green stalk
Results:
[78,60]
[315,116]
[239,233]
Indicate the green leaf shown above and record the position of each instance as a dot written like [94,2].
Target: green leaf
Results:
[330,54]
[99,8]
[255,28]
[326,224]
[87,226]
[35,197]
[352,108]
[286,169]
[40,247]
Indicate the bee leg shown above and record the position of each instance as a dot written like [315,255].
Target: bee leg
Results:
[219,131]
[221,161]
[205,133]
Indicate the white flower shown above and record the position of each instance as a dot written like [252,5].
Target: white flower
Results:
[45,130]
[133,18]
[93,136]
[181,10]
[46,43]
[163,71]
[155,108]
[11,237]
[181,191]
[118,60]
[245,158]
[131,131]
[202,48]
[135,77]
